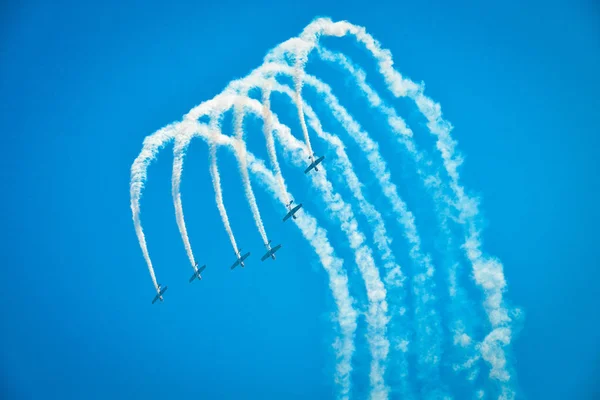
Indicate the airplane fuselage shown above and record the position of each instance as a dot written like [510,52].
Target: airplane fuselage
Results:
[270,251]
[292,211]
[314,163]
[197,273]
[159,294]
[240,260]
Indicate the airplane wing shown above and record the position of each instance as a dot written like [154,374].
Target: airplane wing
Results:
[197,274]
[287,216]
[270,252]
[295,209]
[159,294]
[314,164]
[292,212]
[235,264]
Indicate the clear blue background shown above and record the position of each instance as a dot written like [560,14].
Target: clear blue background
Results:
[83,84]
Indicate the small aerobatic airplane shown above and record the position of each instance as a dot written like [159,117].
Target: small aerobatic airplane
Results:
[314,163]
[240,259]
[270,251]
[159,294]
[292,211]
[197,272]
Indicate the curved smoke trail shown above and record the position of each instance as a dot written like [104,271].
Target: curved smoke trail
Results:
[428,329]
[381,237]
[298,77]
[487,271]
[243,167]
[338,279]
[267,130]
[342,212]
[460,328]
[139,168]
[317,238]
[394,278]
[216,181]
[178,154]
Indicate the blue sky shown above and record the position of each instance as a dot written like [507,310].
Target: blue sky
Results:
[83,84]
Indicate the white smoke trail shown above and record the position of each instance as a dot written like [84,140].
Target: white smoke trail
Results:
[428,320]
[394,277]
[179,152]
[488,272]
[178,155]
[298,77]
[139,172]
[243,167]
[139,168]
[426,316]
[299,106]
[296,152]
[381,238]
[306,223]
[460,327]
[317,237]
[267,130]
[376,293]
[377,312]
[216,181]
[338,280]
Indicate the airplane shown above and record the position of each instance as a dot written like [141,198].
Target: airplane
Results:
[314,163]
[270,251]
[292,211]
[159,292]
[197,272]
[240,260]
